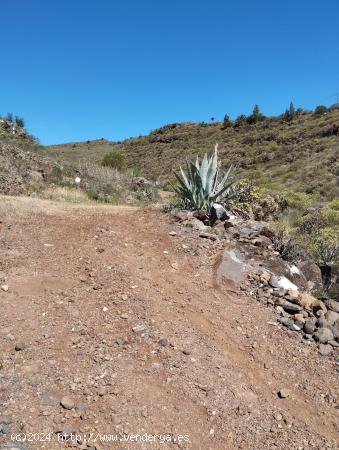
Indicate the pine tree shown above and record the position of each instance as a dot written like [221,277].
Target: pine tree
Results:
[227,121]
[292,110]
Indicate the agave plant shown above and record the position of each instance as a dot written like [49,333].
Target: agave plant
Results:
[199,187]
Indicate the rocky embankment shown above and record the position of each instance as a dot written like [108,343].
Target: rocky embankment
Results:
[250,260]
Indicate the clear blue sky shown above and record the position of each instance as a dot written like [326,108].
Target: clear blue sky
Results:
[79,69]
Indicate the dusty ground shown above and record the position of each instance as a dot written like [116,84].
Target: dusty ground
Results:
[203,363]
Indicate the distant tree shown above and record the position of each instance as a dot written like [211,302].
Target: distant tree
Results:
[212,119]
[227,122]
[319,110]
[240,120]
[9,117]
[292,110]
[20,121]
[256,115]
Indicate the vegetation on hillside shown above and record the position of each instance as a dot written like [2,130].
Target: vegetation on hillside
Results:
[295,153]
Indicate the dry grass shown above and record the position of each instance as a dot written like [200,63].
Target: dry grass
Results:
[65,194]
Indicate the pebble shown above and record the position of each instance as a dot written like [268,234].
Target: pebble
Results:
[273,281]
[324,349]
[67,402]
[138,328]
[172,233]
[163,342]
[124,316]
[278,416]
[115,419]
[4,288]
[20,346]
[284,393]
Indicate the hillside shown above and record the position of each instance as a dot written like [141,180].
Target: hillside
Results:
[298,155]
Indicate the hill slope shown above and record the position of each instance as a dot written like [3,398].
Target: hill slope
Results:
[301,155]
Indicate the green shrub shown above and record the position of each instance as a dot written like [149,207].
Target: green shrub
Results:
[115,160]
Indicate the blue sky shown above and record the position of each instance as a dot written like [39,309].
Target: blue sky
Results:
[78,69]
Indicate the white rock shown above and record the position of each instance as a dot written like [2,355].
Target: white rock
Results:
[294,270]
[286,284]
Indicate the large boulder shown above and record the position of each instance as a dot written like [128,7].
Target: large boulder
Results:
[312,273]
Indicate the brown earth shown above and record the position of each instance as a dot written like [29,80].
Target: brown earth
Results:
[206,365]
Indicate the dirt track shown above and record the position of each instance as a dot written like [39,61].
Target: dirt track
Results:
[204,365]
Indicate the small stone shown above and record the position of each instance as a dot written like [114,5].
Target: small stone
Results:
[20,346]
[333,305]
[277,416]
[115,420]
[101,391]
[274,282]
[309,326]
[4,288]
[186,351]
[284,393]
[324,349]
[163,342]
[332,317]
[67,402]
[138,328]
[5,420]
[124,316]
[323,335]
[172,233]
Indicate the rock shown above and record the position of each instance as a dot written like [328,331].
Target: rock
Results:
[292,296]
[332,317]
[333,305]
[210,236]
[274,282]
[101,391]
[262,241]
[335,330]
[287,322]
[334,343]
[218,212]
[309,326]
[115,420]
[67,402]
[289,307]
[323,335]
[5,288]
[307,301]
[322,322]
[172,233]
[20,346]
[196,224]
[299,318]
[138,328]
[163,342]
[186,351]
[312,273]
[5,420]
[50,398]
[324,349]
[277,416]
[284,393]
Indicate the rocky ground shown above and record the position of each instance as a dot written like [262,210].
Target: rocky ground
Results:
[119,326]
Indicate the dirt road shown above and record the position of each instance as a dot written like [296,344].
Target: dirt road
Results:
[113,329]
